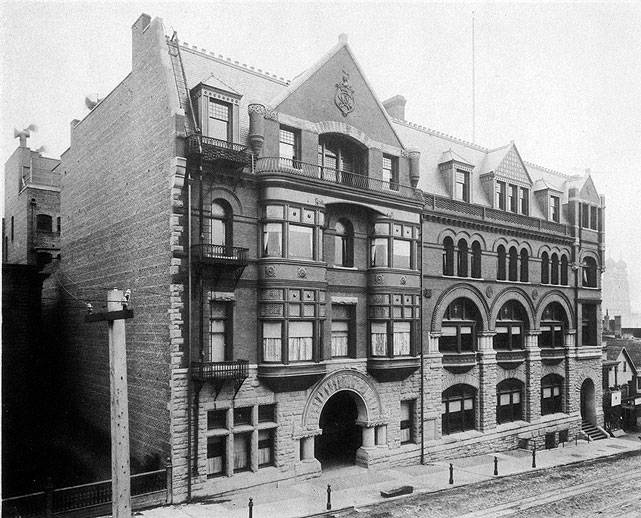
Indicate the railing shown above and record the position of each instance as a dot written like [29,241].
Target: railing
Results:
[38,176]
[224,253]
[151,488]
[440,203]
[552,353]
[45,239]
[230,370]
[216,149]
[510,356]
[331,175]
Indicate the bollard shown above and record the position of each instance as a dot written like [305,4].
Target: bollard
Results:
[451,473]
[576,440]
[329,497]
[251,507]
[496,466]
[534,457]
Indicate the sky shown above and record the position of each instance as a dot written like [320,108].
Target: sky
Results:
[562,80]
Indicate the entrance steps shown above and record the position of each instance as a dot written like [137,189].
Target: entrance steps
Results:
[592,431]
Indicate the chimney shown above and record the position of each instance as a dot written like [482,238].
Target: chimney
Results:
[395,106]
[137,31]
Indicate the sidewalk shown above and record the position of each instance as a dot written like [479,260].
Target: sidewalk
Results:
[355,486]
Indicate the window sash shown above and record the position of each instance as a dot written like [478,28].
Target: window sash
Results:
[340,338]
[272,341]
[402,254]
[301,241]
[301,339]
[379,338]
[402,338]
[273,240]
[379,254]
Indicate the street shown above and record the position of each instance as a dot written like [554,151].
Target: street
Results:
[602,487]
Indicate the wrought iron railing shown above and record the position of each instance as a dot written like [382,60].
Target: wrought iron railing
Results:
[220,252]
[214,149]
[455,359]
[212,371]
[441,203]
[93,498]
[331,175]
[45,239]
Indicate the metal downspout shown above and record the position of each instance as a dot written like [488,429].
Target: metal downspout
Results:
[422,371]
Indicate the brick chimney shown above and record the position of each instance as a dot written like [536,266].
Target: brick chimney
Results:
[137,31]
[395,106]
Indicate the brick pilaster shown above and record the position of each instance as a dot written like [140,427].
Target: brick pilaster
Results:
[487,382]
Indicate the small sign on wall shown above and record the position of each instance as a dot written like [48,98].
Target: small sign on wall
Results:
[616,397]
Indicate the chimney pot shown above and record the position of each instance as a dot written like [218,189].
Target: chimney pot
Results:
[395,107]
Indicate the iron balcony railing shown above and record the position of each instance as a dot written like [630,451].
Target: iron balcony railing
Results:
[46,239]
[220,371]
[216,149]
[443,204]
[219,253]
[331,175]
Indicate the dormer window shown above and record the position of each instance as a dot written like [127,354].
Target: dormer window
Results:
[555,208]
[390,171]
[219,119]
[513,199]
[524,201]
[462,185]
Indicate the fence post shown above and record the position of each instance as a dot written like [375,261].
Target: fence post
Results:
[170,483]
[496,466]
[48,498]
[329,497]
[534,457]
[451,473]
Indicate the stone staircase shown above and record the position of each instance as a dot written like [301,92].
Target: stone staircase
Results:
[592,431]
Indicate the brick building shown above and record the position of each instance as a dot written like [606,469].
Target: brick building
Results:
[319,280]
[31,221]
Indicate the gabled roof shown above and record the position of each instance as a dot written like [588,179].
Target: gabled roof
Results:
[452,156]
[585,187]
[631,350]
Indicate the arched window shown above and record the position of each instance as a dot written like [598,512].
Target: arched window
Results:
[524,266]
[220,227]
[509,397]
[343,244]
[461,322]
[564,270]
[461,262]
[44,222]
[514,267]
[459,409]
[448,256]
[500,271]
[551,394]
[510,326]
[589,273]
[476,260]
[554,321]
[555,269]
[545,268]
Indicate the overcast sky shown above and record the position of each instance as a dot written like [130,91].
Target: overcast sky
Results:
[563,80]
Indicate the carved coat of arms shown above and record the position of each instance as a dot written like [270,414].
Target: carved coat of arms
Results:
[344,97]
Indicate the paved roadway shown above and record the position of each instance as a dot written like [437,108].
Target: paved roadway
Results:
[606,487]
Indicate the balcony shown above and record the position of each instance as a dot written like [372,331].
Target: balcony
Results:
[218,151]
[218,373]
[490,215]
[290,377]
[45,240]
[510,359]
[392,369]
[221,264]
[552,355]
[327,175]
[459,362]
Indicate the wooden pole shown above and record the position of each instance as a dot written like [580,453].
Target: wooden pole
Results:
[120,482]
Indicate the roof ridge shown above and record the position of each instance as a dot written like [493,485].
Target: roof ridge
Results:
[548,170]
[228,61]
[436,133]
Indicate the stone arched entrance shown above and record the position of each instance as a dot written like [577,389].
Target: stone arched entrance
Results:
[341,436]
[588,402]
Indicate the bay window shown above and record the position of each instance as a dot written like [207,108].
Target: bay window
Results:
[272,341]
[301,339]
[378,338]
[402,336]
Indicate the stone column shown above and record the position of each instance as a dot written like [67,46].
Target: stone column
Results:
[381,435]
[368,436]
[432,342]
[308,448]
[487,382]
[533,377]
[253,460]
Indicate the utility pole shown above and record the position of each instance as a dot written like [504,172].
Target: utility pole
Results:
[116,314]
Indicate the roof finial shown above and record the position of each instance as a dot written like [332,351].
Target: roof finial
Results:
[342,38]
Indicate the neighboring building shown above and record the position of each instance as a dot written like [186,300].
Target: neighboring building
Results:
[31,222]
[616,291]
[622,382]
[319,280]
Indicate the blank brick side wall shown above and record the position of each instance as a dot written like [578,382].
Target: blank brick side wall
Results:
[116,205]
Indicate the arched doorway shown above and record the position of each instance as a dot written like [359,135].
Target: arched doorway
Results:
[341,436]
[588,403]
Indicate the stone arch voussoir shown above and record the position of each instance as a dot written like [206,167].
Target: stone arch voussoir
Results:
[555,296]
[508,294]
[453,293]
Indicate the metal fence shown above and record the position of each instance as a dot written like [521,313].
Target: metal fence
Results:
[87,500]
